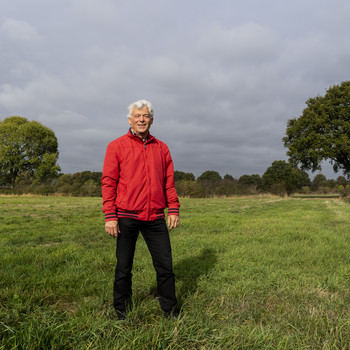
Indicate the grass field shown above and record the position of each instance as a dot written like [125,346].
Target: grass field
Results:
[252,273]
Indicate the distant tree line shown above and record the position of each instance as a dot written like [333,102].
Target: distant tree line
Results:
[81,184]
[279,179]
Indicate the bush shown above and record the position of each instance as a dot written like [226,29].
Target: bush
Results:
[221,191]
[190,189]
[346,192]
[305,190]
[278,189]
[90,189]
[339,188]
[324,189]
[64,189]
[43,190]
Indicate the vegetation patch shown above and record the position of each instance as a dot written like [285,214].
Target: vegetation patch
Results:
[251,273]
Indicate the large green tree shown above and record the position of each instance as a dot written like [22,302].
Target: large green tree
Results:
[322,132]
[281,173]
[27,147]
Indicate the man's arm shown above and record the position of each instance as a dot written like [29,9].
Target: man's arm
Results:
[170,193]
[109,181]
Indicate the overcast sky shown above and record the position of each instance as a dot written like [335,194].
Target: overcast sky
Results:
[224,76]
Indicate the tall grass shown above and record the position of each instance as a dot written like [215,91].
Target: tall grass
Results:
[252,273]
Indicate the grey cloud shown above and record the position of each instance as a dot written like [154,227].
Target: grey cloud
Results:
[20,31]
[65,119]
[241,45]
[104,13]
[42,92]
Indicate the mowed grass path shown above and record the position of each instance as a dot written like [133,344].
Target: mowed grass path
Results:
[252,273]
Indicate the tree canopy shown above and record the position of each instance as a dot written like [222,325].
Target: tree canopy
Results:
[284,174]
[209,175]
[322,132]
[251,180]
[27,147]
[180,175]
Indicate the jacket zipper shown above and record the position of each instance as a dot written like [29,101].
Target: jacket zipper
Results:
[148,181]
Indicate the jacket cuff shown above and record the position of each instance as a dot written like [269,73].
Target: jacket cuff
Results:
[173,211]
[111,217]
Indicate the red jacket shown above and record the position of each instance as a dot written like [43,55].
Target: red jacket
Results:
[138,179]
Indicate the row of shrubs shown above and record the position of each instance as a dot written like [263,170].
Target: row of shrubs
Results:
[81,184]
[196,189]
[88,184]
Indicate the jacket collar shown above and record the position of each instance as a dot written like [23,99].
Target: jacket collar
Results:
[133,135]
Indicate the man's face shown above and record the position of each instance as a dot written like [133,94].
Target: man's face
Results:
[140,121]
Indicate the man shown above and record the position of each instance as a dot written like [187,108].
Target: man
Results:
[137,185]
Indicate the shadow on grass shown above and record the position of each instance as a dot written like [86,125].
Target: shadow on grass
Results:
[189,270]
[187,274]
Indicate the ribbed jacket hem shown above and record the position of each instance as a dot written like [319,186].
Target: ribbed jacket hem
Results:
[173,211]
[111,217]
[140,216]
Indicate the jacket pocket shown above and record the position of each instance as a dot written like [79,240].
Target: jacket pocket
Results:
[121,194]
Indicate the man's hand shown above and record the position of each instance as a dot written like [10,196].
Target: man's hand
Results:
[112,228]
[173,221]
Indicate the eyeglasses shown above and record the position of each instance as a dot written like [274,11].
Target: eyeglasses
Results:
[138,116]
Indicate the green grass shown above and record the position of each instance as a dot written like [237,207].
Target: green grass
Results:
[252,273]
[316,195]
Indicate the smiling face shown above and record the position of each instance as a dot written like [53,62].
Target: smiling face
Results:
[140,121]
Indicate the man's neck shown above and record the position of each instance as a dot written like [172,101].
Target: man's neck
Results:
[143,136]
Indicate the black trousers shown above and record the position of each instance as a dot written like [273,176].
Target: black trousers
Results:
[157,239]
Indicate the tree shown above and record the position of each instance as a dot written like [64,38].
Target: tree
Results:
[282,175]
[210,175]
[251,180]
[319,180]
[341,180]
[64,184]
[228,186]
[229,177]
[322,132]
[182,176]
[210,180]
[90,189]
[27,147]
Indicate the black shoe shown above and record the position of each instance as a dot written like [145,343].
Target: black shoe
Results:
[121,315]
[172,315]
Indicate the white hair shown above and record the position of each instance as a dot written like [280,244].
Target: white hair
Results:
[139,104]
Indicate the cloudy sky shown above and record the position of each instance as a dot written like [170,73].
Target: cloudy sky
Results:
[224,76]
